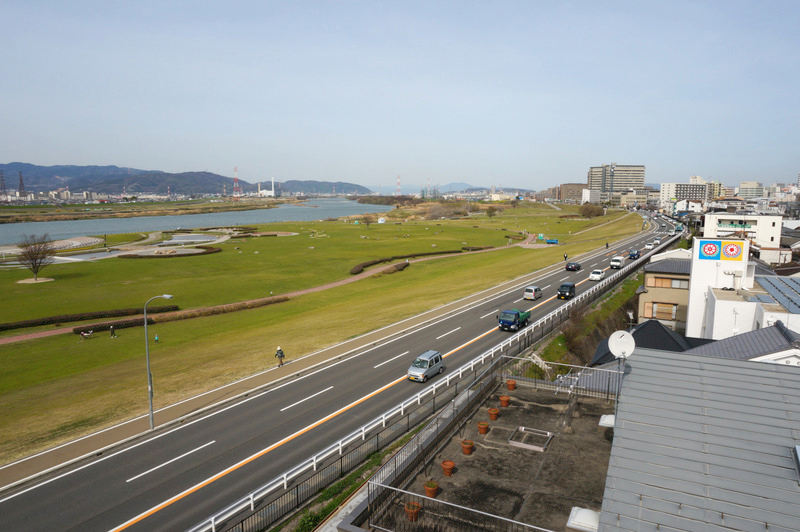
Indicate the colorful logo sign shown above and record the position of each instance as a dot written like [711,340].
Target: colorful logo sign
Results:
[720,250]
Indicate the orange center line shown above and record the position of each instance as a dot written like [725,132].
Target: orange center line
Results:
[275,445]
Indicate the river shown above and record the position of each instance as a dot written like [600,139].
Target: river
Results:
[317,209]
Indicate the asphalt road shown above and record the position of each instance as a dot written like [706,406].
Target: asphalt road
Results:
[175,478]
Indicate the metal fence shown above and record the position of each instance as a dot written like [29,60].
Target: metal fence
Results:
[289,491]
[405,511]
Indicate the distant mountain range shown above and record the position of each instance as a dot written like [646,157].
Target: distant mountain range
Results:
[115,180]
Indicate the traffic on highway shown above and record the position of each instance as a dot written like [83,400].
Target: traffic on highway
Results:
[179,475]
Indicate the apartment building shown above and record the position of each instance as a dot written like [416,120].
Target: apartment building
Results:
[571,192]
[616,177]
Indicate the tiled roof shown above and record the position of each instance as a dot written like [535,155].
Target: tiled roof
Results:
[751,344]
[682,266]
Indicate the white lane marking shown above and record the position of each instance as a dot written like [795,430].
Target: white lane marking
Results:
[565,278]
[546,287]
[445,334]
[306,399]
[393,358]
[245,461]
[214,413]
[518,300]
[593,265]
[492,313]
[170,461]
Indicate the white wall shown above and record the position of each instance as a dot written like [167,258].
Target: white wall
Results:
[711,267]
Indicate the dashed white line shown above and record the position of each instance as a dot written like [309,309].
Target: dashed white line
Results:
[387,361]
[546,287]
[565,278]
[170,461]
[306,399]
[445,334]
[492,313]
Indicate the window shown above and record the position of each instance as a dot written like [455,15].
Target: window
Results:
[666,282]
[660,311]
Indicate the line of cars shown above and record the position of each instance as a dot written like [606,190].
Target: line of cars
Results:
[429,363]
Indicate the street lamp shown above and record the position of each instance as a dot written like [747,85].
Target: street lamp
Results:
[147,355]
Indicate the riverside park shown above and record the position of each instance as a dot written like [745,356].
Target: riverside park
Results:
[58,387]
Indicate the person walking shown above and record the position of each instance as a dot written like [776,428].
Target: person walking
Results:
[279,354]
[156,338]
[565,256]
[113,332]
[606,245]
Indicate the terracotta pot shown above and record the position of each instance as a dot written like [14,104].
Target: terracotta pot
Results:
[483,427]
[511,385]
[412,510]
[447,468]
[431,489]
[504,400]
[493,413]
[467,446]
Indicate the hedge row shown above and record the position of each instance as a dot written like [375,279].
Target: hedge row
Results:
[476,248]
[66,318]
[183,315]
[358,268]
[206,250]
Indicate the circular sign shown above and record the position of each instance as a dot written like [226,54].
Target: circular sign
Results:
[732,250]
[709,249]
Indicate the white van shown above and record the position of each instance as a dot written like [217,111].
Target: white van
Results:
[617,262]
[532,292]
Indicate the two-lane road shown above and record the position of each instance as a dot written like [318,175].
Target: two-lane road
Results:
[177,477]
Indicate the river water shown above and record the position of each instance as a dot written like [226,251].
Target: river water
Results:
[318,209]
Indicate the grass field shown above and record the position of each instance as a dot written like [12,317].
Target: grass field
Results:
[56,388]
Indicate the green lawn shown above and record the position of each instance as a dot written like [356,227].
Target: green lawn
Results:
[56,388]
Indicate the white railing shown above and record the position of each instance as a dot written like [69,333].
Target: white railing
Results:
[282,482]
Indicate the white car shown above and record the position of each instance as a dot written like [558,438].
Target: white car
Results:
[649,245]
[597,275]
[657,241]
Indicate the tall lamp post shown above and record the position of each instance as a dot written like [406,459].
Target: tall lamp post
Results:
[147,355]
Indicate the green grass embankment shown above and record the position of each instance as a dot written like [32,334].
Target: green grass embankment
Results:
[57,388]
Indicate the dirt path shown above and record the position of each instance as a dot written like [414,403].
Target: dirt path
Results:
[353,278]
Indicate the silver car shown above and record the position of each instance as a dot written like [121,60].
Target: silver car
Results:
[597,275]
[426,366]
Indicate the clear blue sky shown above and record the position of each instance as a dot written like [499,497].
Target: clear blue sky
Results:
[522,94]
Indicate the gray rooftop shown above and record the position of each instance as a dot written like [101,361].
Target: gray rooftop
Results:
[682,266]
[704,443]
[751,344]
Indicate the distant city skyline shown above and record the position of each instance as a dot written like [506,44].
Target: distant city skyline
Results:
[515,94]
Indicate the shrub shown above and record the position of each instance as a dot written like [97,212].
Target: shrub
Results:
[50,320]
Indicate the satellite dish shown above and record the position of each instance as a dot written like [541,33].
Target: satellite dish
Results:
[621,344]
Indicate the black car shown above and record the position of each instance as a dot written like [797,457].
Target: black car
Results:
[573,266]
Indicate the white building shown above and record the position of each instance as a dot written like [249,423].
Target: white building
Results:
[590,196]
[727,298]
[718,267]
[688,206]
[762,230]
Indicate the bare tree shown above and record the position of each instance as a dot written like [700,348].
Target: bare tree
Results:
[491,211]
[37,253]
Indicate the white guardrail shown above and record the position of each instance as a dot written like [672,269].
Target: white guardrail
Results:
[281,482]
